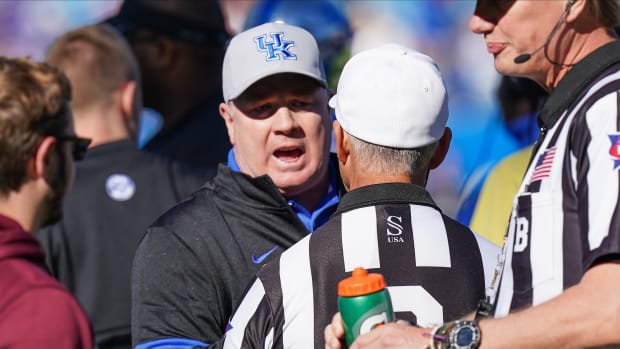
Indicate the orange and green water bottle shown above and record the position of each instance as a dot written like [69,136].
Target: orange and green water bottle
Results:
[364,303]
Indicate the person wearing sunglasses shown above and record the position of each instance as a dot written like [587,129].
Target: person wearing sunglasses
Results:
[119,189]
[37,152]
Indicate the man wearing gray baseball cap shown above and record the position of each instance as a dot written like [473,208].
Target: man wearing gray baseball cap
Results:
[279,184]
[391,111]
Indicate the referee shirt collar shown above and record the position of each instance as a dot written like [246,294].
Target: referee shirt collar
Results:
[385,193]
[576,80]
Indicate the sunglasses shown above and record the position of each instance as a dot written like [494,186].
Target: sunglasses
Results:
[79,145]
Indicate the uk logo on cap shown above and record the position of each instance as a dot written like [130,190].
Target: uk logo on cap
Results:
[614,150]
[277,48]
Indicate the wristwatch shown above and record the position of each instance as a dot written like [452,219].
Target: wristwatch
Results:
[463,335]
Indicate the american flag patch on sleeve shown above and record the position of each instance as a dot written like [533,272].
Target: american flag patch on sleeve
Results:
[543,165]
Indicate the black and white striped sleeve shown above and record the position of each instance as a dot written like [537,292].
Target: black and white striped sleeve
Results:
[597,175]
[251,326]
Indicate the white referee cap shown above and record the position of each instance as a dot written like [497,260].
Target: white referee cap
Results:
[392,96]
[269,49]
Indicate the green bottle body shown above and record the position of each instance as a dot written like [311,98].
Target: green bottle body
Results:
[360,314]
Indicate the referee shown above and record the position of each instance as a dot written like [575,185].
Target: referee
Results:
[561,273]
[391,111]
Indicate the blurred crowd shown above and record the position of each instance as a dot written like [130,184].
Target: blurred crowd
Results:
[435,27]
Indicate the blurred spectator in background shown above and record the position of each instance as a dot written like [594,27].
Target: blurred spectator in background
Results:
[119,190]
[37,152]
[519,100]
[492,210]
[489,205]
[326,20]
[29,26]
[180,49]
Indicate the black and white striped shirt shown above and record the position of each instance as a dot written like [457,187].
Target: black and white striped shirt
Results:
[566,216]
[436,269]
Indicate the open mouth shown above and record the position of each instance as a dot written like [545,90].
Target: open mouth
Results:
[288,154]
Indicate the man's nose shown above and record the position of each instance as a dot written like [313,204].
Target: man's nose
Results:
[484,17]
[284,120]
[479,25]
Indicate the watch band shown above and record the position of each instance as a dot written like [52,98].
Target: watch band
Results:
[459,334]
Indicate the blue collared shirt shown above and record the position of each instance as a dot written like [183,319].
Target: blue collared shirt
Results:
[327,206]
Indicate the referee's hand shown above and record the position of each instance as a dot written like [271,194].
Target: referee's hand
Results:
[398,335]
[334,333]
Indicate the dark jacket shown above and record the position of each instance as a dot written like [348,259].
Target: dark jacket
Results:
[118,192]
[36,311]
[195,261]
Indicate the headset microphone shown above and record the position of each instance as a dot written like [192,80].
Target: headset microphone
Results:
[526,56]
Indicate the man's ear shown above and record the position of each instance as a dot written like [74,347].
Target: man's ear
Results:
[43,158]
[226,114]
[442,149]
[342,143]
[128,99]
[577,8]
[129,108]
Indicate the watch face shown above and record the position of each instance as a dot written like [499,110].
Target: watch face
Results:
[464,335]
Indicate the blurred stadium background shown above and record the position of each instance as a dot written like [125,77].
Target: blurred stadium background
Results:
[436,27]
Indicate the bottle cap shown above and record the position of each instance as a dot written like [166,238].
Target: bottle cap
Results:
[361,283]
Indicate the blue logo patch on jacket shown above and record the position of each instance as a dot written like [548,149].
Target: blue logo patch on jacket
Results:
[261,258]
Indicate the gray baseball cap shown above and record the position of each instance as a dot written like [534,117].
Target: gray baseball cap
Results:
[269,49]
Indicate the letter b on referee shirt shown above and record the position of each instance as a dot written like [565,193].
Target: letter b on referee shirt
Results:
[522,229]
